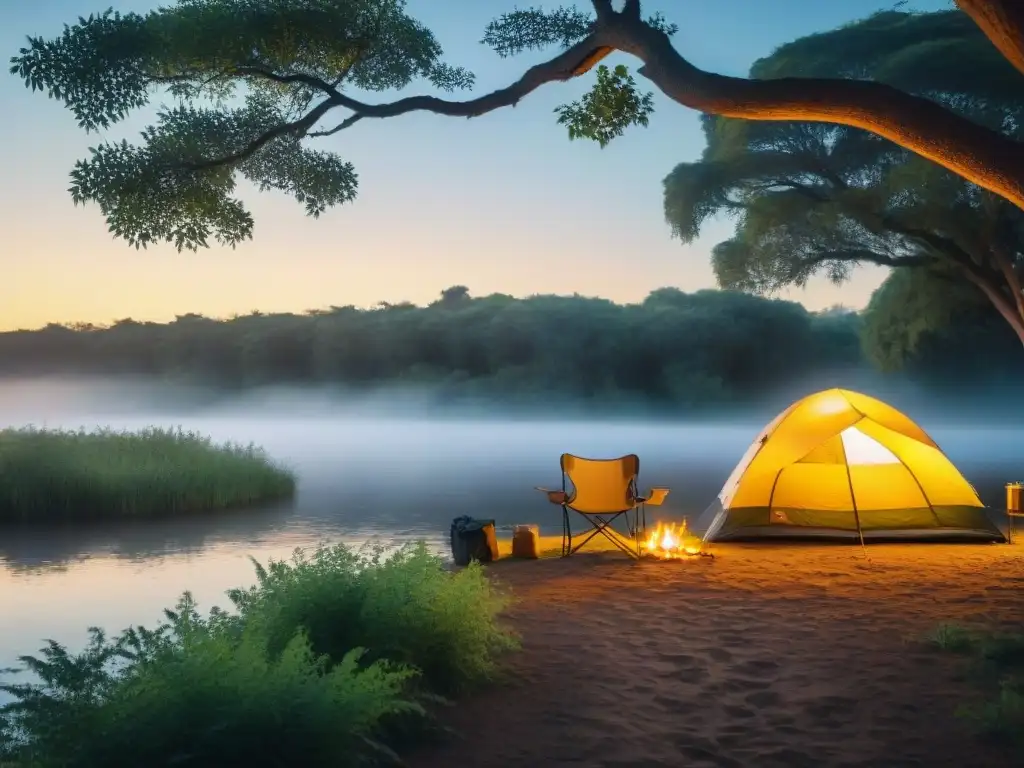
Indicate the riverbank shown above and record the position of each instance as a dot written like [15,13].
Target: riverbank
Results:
[332,658]
[766,655]
[62,475]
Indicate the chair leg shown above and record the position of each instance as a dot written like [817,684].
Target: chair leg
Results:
[603,526]
[566,533]
[641,537]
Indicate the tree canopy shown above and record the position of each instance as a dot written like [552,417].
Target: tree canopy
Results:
[924,327]
[256,78]
[814,197]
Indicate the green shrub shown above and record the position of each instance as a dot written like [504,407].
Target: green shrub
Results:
[1005,650]
[326,655]
[194,694]
[952,637]
[1001,717]
[64,475]
[407,608]
[999,658]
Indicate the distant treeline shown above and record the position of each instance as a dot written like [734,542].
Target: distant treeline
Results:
[677,348]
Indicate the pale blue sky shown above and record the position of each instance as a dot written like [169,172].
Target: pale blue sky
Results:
[502,203]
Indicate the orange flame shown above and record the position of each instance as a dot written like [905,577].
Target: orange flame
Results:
[671,541]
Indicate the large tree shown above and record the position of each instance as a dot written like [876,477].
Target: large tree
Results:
[944,334]
[813,197]
[294,64]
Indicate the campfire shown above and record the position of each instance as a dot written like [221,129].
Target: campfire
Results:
[673,541]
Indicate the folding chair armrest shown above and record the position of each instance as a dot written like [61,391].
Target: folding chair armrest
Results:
[554,496]
[655,497]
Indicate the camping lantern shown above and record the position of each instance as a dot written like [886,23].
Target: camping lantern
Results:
[1013,493]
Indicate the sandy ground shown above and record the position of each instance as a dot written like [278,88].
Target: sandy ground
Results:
[781,655]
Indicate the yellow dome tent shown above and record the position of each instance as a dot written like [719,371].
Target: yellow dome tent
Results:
[838,463]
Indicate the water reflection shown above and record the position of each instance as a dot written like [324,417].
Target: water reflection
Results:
[366,479]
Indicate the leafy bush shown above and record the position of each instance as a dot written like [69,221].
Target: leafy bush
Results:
[1000,659]
[407,608]
[325,654]
[1002,716]
[58,474]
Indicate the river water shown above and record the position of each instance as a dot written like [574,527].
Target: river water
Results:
[363,474]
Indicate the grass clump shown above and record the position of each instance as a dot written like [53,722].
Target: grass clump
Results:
[951,637]
[60,475]
[999,662]
[292,677]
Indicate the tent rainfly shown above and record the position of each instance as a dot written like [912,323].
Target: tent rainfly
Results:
[841,464]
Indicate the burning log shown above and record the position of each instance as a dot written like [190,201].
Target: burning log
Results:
[673,541]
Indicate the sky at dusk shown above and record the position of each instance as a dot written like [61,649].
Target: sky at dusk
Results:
[502,203]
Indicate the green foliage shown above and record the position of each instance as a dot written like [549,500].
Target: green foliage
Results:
[611,106]
[1000,657]
[918,321]
[406,608]
[952,637]
[914,51]
[61,475]
[696,349]
[253,79]
[1001,717]
[906,307]
[534,29]
[250,688]
[674,350]
[811,198]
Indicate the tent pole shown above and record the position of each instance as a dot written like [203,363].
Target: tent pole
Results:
[853,499]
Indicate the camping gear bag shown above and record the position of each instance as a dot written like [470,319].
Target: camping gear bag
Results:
[473,539]
[526,542]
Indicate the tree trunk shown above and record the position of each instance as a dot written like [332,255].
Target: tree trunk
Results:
[1003,305]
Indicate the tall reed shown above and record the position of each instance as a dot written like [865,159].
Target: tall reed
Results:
[63,475]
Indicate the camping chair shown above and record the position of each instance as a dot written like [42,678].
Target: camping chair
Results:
[602,491]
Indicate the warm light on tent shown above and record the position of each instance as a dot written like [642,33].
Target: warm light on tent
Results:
[840,463]
[830,403]
[863,450]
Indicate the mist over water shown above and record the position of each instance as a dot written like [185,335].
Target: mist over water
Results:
[388,466]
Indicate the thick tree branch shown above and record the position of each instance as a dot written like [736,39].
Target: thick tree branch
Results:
[943,247]
[1001,302]
[566,66]
[976,153]
[296,127]
[631,9]
[1002,21]
[604,9]
[1005,263]
[346,123]
[290,79]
